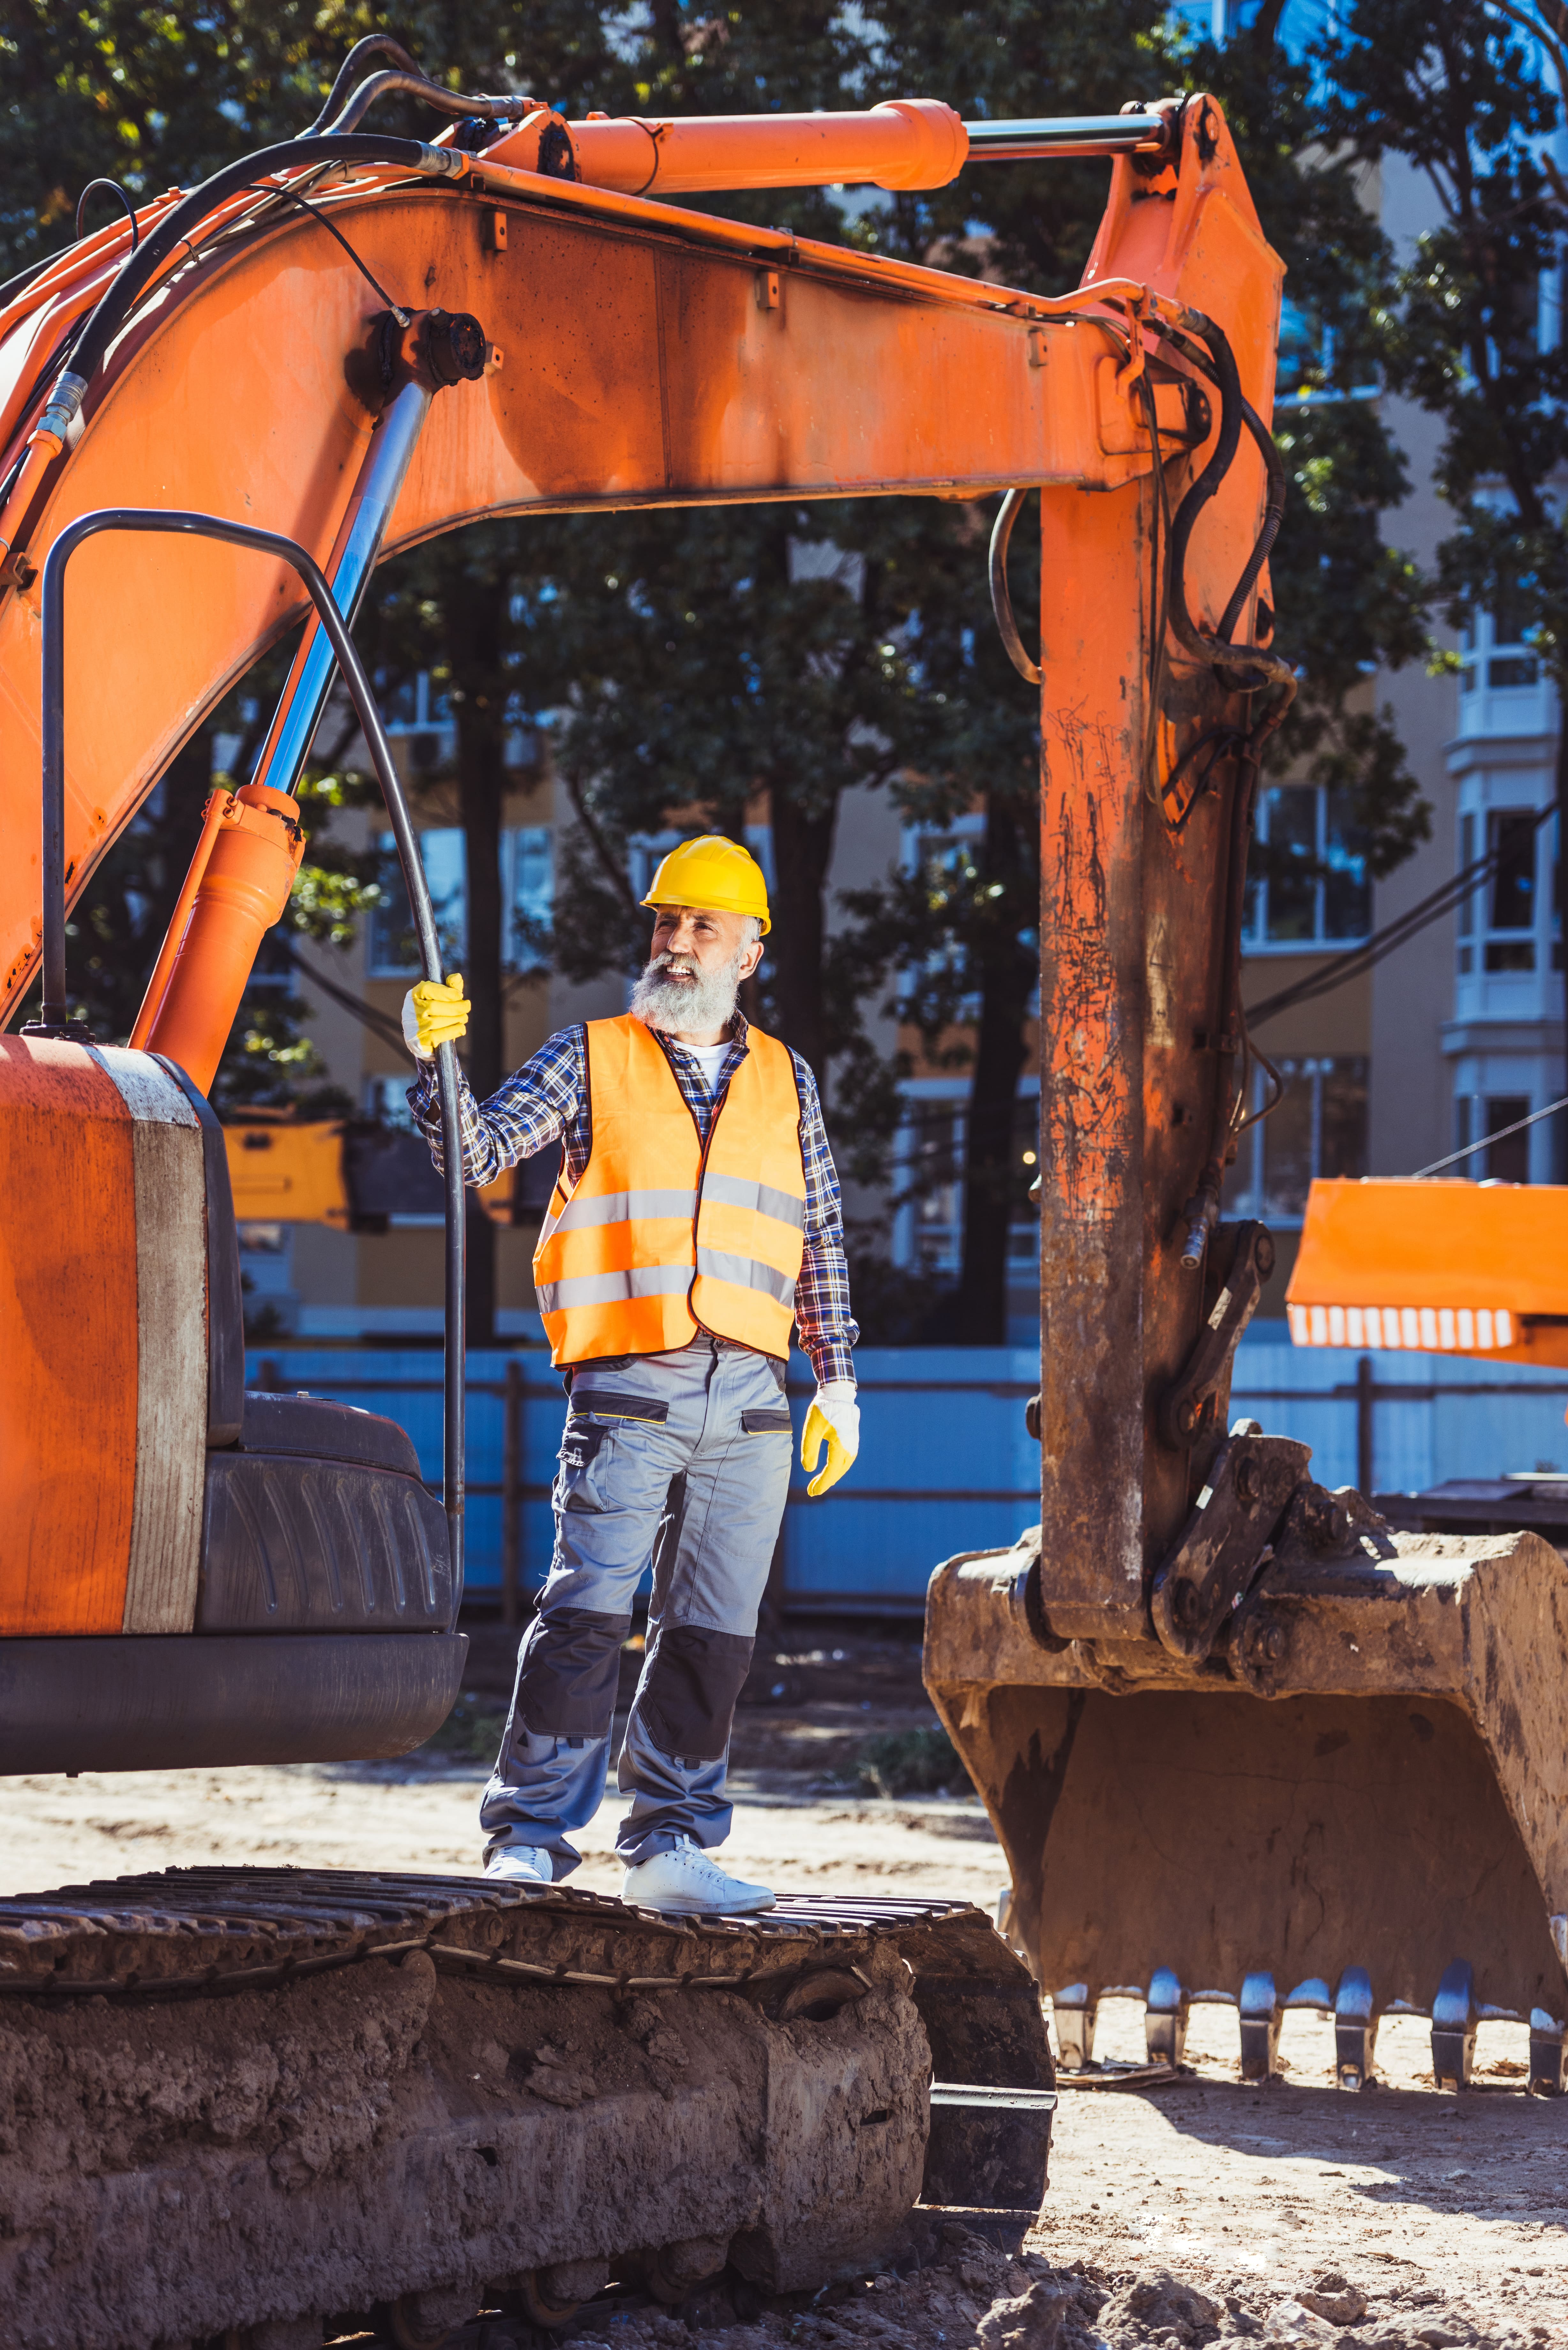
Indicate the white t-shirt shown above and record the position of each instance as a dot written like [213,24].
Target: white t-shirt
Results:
[709,1059]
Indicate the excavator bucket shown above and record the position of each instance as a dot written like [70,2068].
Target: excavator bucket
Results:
[1336,1775]
[1325,1765]
[1356,1806]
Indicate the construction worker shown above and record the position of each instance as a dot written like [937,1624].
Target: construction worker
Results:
[695,1220]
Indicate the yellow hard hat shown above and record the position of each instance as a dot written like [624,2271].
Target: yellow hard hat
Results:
[714,873]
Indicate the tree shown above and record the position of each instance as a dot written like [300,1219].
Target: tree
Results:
[781,658]
[1470,96]
[151,96]
[1346,601]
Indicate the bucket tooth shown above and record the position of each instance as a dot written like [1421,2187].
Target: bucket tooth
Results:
[1546,2054]
[1261,2017]
[1076,2008]
[1355,2029]
[1165,2018]
[1454,2020]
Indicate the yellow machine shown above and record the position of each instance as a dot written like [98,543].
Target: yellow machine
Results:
[346,1174]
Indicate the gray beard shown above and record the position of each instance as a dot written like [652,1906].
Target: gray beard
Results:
[705,1001]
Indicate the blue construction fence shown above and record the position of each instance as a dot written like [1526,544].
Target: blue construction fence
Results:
[946,1462]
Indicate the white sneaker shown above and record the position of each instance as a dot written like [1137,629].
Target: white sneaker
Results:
[521,1864]
[687,1880]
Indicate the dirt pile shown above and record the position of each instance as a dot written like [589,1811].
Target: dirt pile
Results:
[949,2288]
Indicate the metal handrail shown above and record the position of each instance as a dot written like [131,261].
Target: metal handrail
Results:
[55,1007]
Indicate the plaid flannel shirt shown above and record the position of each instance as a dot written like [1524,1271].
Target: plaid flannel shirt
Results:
[546,1100]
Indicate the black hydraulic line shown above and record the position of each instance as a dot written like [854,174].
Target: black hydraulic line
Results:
[1001,595]
[1158,603]
[55,1005]
[1219,742]
[322,221]
[1273,515]
[1213,651]
[113,188]
[374,45]
[137,270]
[457,103]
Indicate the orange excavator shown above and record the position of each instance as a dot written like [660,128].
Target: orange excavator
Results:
[1221,1721]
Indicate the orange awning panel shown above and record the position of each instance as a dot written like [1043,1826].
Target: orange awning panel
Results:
[1449,1268]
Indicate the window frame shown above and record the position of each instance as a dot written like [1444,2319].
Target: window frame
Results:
[1253,1151]
[1255,940]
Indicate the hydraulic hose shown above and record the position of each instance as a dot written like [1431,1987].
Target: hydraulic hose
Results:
[1273,515]
[54,1021]
[1002,594]
[137,270]
[418,85]
[374,45]
[1255,666]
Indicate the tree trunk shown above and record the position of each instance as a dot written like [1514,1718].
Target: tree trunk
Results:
[481,783]
[990,1178]
[803,850]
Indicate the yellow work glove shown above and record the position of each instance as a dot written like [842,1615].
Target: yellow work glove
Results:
[834,1419]
[434,1013]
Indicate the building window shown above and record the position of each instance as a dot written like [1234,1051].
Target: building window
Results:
[529,894]
[393,949]
[1507,1160]
[1467,917]
[646,852]
[1493,651]
[420,715]
[273,975]
[527,890]
[386,1100]
[1327,900]
[928,1233]
[1507,922]
[1318,1129]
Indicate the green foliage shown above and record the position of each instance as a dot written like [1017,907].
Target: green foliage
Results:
[910,1762]
[470,1732]
[1465,97]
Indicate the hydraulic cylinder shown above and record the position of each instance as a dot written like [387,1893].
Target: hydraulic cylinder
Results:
[254,852]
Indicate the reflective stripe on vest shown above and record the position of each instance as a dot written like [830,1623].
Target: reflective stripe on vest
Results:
[659,1239]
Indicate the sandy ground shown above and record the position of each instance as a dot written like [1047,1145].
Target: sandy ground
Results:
[1406,2217]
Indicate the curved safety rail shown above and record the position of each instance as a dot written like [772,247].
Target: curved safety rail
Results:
[55,1007]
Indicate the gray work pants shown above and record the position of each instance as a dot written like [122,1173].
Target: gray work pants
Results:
[681,1459]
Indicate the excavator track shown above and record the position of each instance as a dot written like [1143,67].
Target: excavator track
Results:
[363,2092]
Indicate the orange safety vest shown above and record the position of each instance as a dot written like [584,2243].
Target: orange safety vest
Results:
[662,1237]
